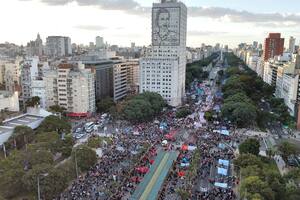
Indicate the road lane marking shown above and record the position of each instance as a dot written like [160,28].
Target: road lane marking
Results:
[154,178]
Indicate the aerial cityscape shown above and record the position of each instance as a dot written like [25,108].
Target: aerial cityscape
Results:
[149,100]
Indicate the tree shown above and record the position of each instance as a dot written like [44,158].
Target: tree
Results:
[182,112]
[54,123]
[238,97]
[287,149]
[241,113]
[104,105]
[250,146]
[57,109]
[85,156]
[33,101]
[208,115]
[21,136]
[155,99]
[253,186]
[138,110]
[38,157]
[245,160]
[30,178]
[144,107]
[10,182]
[53,184]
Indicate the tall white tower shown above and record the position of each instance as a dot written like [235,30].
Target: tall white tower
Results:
[162,70]
[292,43]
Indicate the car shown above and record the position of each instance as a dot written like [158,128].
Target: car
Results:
[79,135]
[78,130]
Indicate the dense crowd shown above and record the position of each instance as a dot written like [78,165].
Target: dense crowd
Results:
[125,163]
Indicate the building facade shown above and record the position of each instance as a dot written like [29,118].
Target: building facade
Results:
[9,101]
[72,87]
[292,44]
[35,48]
[162,70]
[58,46]
[274,46]
[29,72]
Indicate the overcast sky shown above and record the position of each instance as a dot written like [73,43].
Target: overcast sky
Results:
[124,21]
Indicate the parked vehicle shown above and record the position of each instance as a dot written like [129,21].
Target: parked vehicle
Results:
[89,127]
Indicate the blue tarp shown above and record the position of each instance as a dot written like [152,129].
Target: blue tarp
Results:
[185,160]
[222,185]
[221,146]
[222,171]
[163,125]
[184,164]
[224,132]
[223,162]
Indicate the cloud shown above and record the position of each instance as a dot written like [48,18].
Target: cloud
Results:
[133,7]
[90,27]
[243,16]
[205,33]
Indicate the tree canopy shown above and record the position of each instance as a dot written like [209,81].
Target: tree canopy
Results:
[144,107]
[55,123]
[250,146]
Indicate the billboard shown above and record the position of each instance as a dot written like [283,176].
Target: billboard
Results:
[166,26]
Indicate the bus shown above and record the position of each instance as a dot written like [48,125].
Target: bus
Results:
[89,127]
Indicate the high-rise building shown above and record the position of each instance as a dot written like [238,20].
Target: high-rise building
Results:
[292,43]
[99,42]
[114,78]
[72,87]
[29,72]
[274,46]
[162,70]
[58,46]
[255,44]
[13,75]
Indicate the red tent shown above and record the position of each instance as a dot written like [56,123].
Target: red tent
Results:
[184,147]
[171,135]
[151,162]
[143,170]
[181,173]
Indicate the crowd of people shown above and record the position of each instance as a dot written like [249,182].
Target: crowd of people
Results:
[124,164]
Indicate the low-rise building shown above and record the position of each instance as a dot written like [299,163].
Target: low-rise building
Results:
[9,101]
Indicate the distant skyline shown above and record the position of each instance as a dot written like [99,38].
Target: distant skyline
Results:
[124,21]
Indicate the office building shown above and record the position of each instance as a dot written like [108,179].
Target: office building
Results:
[58,46]
[99,42]
[274,46]
[162,70]
[31,81]
[292,43]
[114,78]
[12,75]
[72,87]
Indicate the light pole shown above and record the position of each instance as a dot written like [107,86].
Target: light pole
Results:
[38,184]
[75,157]
[76,166]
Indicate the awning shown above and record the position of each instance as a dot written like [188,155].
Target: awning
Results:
[223,162]
[222,185]
[77,114]
[222,171]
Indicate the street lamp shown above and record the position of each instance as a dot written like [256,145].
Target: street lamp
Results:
[75,157]
[38,184]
